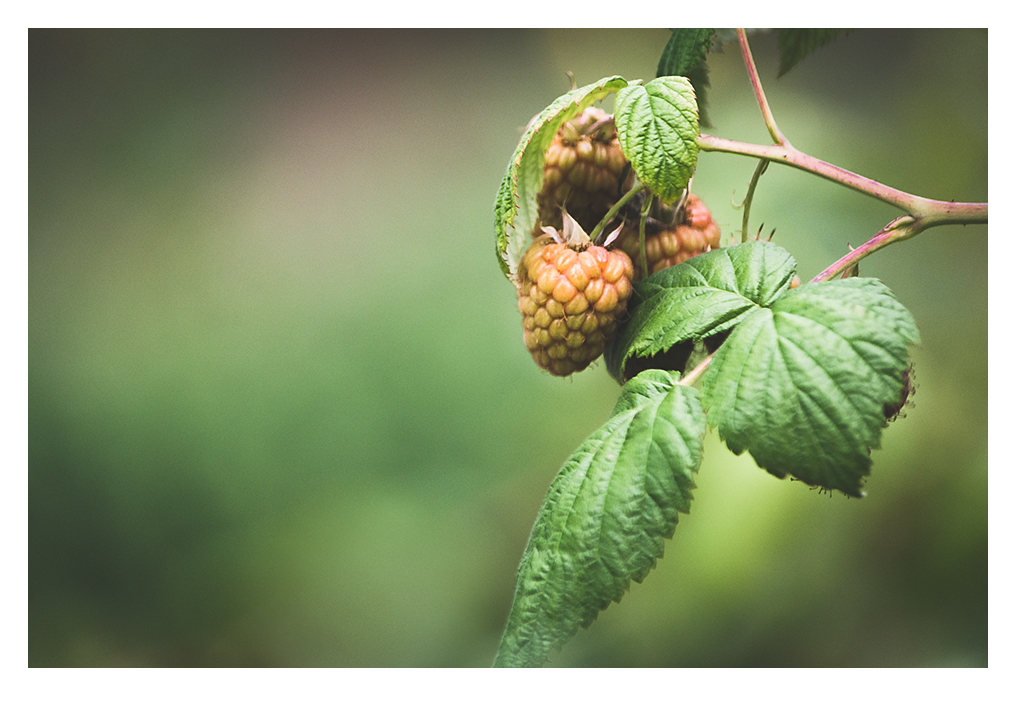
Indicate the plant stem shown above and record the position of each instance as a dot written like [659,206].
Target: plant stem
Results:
[757,86]
[613,211]
[921,213]
[898,230]
[696,373]
[644,213]
[760,168]
[934,212]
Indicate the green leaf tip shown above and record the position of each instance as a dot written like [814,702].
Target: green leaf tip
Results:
[685,51]
[658,130]
[796,44]
[606,516]
[515,207]
[803,384]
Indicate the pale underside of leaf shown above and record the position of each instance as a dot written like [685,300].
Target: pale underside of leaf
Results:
[515,207]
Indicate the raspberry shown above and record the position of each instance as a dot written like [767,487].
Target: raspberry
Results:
[571,299]
[671,245]
[582,169]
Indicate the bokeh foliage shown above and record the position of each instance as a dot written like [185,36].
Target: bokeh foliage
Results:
[280,412]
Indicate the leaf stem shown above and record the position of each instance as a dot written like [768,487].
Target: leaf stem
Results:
[644,213]
[697,372]
[898,230]
[760,168]
[613,211]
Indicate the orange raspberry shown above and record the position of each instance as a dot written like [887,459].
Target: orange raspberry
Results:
[671,245]
[571,300]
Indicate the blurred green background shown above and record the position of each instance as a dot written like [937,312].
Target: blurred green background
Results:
[280,411]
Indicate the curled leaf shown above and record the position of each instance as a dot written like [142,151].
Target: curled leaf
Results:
[515,208]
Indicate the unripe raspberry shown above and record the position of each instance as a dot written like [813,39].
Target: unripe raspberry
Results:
[571,300]
[582,169]
[671,245]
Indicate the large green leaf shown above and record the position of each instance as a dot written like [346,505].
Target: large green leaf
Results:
[704,296]
[658,124]
[515,207]
[802,384]
[606,516]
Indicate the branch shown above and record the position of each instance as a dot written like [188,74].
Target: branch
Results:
[898,230]
[757,86]
[921,213]
[934,212]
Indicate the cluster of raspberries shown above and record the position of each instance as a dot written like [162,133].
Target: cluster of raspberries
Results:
[573,293]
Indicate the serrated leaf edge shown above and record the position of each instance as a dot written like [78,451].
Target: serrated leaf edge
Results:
[735,426]
[531,646]
[633,341]
[665,181]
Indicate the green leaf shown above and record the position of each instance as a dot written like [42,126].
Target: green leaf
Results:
[685,55]
[606,516]
[699,77]
[515,207]
[685,50]
[797,43]
[658,127]
[703,296]
[802,385]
